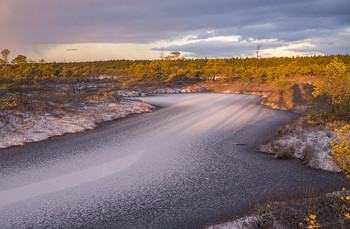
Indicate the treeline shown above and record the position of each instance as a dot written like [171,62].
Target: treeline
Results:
[330,74]
[262,70]
[172,69]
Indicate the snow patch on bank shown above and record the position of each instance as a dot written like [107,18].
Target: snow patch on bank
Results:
[308,143]
[244,222]
[17,128]
[237,224]
[149,91]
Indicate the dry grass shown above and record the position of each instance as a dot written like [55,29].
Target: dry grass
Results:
[293,212]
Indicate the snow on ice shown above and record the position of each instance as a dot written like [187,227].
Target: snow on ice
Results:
[21,127]
[307,143]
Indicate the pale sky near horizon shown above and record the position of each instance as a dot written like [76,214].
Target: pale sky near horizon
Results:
[84,30]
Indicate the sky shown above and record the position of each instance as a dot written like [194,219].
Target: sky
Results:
[86,30]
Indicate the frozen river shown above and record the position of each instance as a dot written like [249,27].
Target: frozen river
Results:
[186,164]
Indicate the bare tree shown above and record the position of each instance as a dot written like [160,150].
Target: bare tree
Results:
[258,47]
[5,53]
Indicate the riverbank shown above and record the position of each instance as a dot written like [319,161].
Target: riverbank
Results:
[18,128]
[39,114]
[325,211]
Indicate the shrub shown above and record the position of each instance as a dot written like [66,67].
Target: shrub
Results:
[340,154]
[282,84]
[336,84]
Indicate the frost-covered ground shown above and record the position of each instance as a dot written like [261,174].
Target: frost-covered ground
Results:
[17,128]
[311,144]
[293,213]
[165,90]
[244,222]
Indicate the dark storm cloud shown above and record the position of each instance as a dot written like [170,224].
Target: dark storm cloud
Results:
[141,21]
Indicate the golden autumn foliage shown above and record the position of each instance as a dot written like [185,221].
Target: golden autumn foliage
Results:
[336,84]
[340,154]
[312,222]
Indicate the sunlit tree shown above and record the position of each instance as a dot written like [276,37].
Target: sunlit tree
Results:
[335,83]
[20,59]
[173,56]
[5,53]
[340,157]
